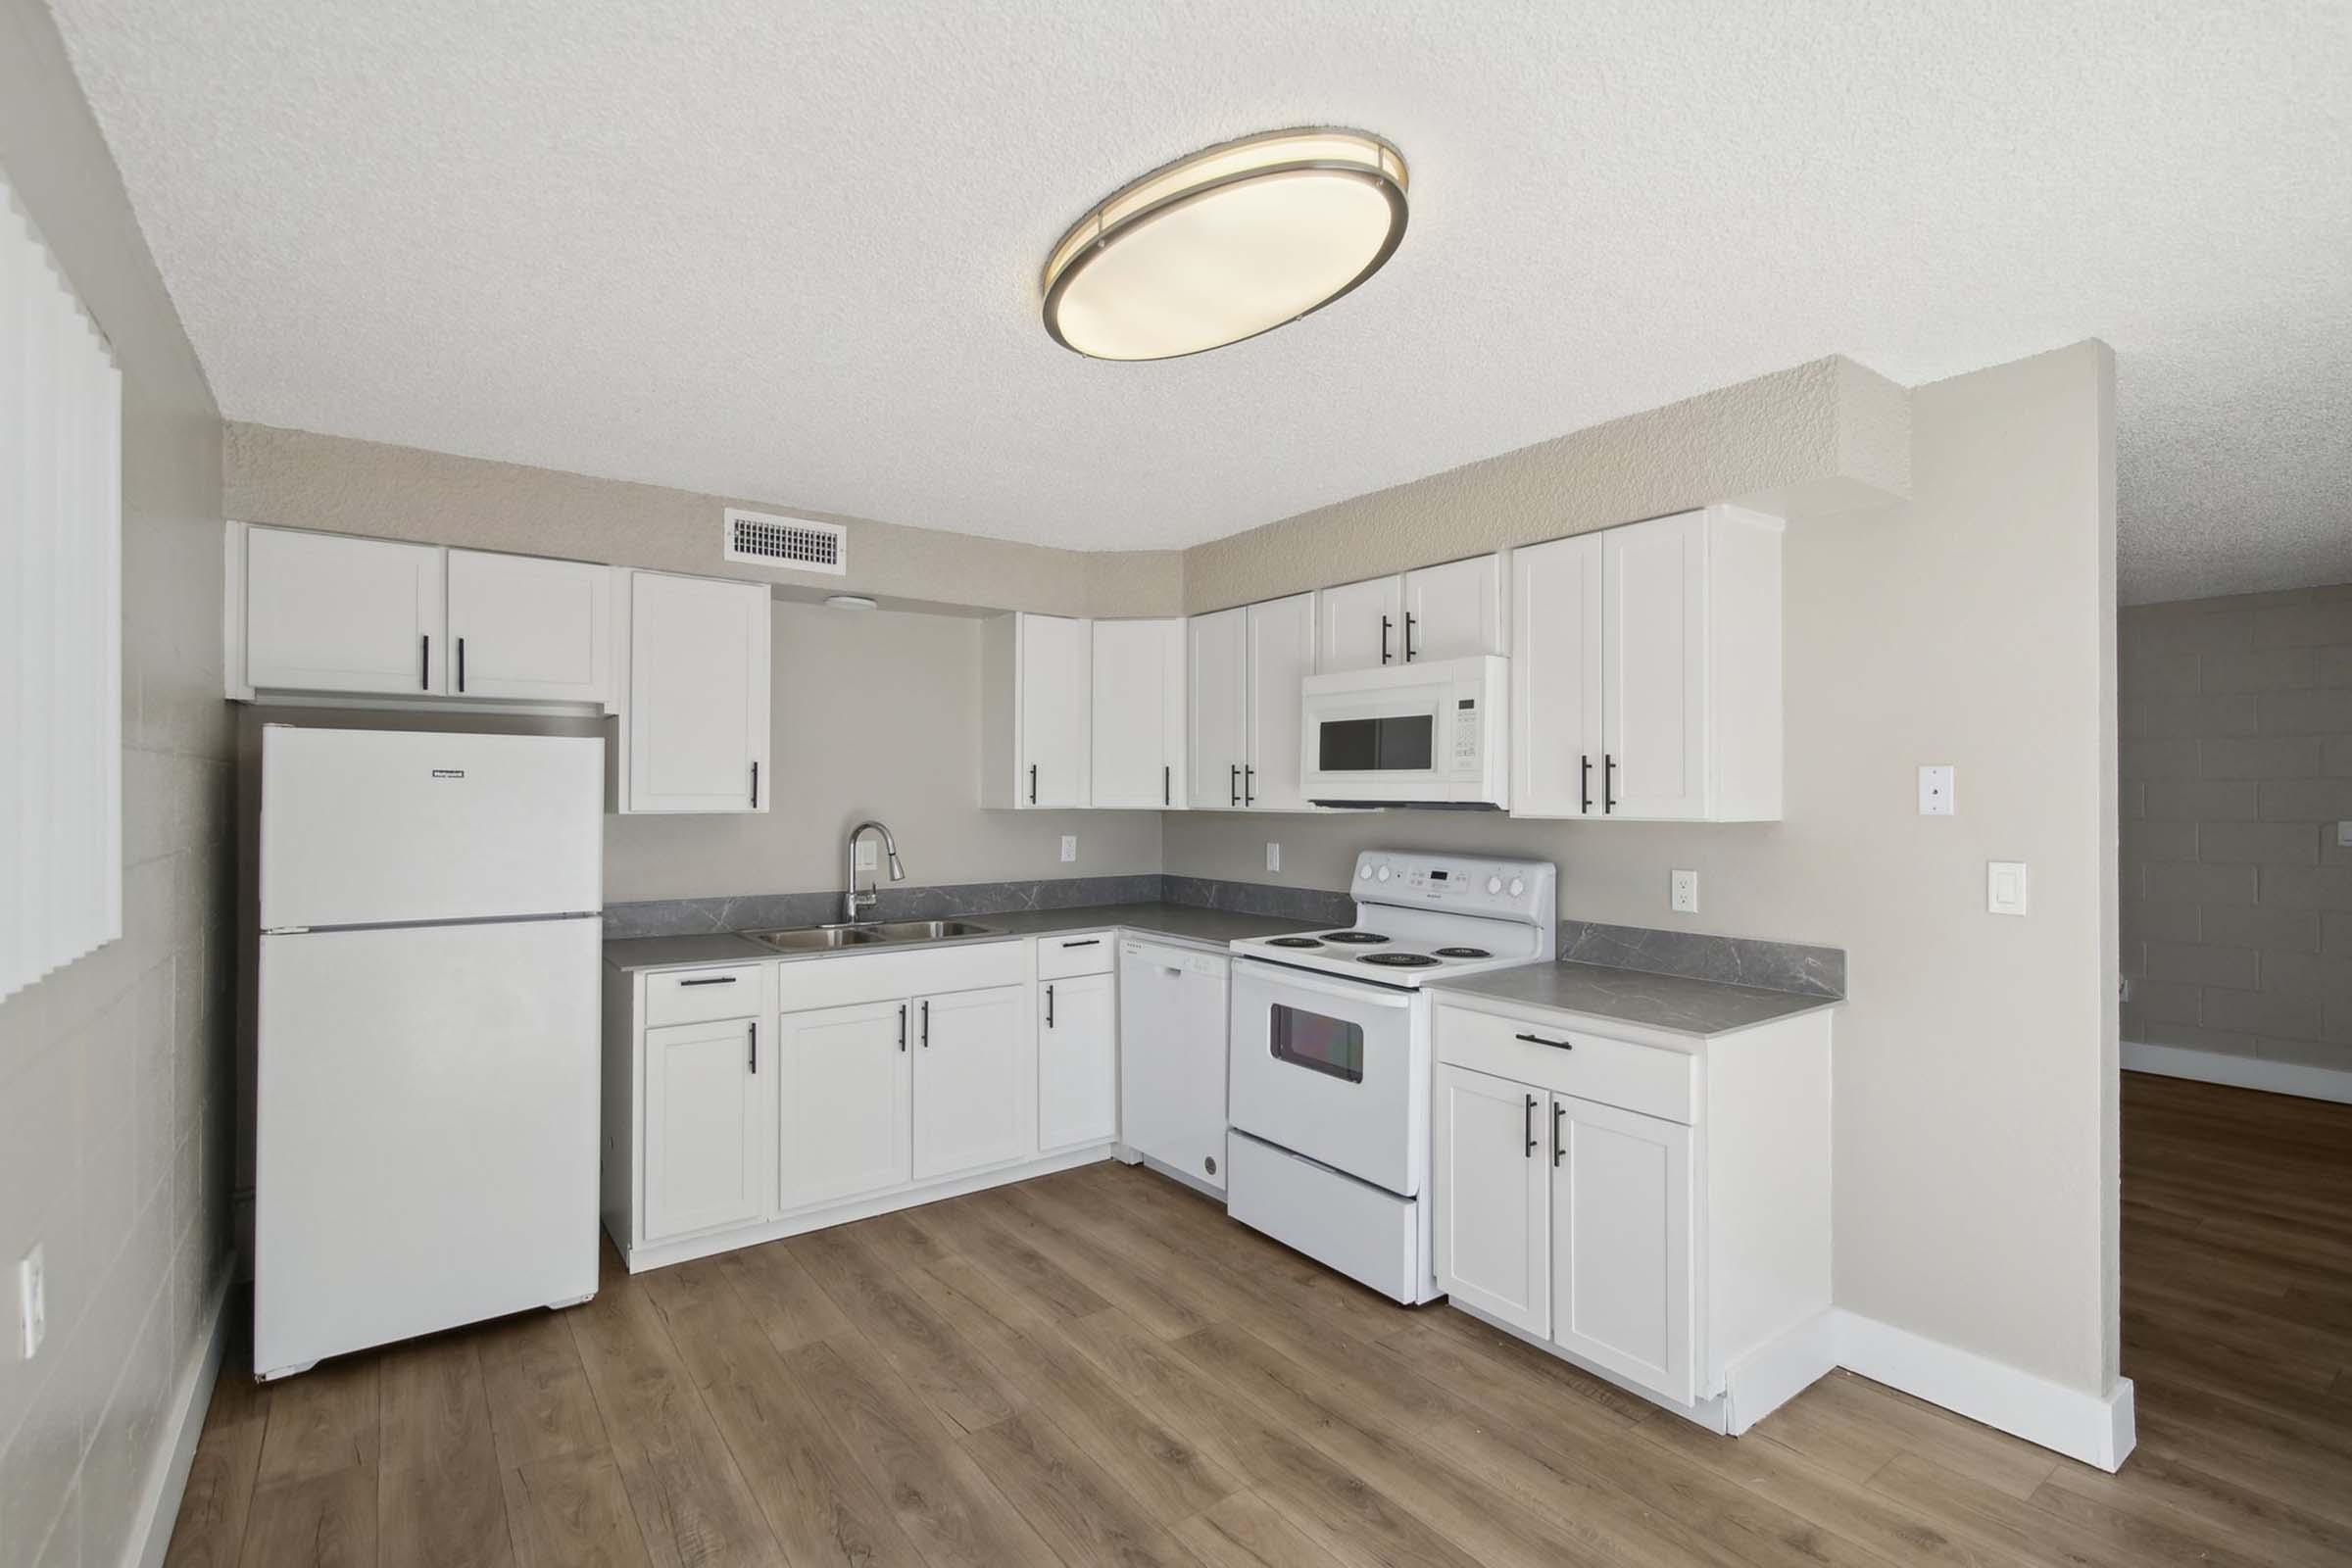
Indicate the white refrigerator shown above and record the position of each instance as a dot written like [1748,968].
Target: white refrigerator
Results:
[426,1116]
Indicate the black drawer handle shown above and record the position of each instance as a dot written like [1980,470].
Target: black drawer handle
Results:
[1089,942]
[711,980]
[1539,1040]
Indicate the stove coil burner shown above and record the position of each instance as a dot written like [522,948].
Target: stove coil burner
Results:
[1293,942]
[1399,960]
[1354,938]
[1465,953]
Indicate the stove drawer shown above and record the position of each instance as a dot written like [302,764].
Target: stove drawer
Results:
[1648,1079]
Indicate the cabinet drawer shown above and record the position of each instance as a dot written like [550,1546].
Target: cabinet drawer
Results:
[690,996]
[1647,1079]
[1079,953]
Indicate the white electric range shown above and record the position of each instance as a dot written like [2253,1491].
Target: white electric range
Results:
[1330,1072]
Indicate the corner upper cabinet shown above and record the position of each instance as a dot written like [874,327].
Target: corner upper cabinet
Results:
[1217,701]
[694,731]
[330,613]
[1645,678]
[1036,712]
[1244,734]
[1452,610]
[1138,724]
[530,629]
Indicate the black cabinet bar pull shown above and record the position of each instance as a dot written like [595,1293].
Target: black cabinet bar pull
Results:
[460,664]
[902,1026]
[1384,639]
[1539,1040]
[755,786]
[1048,1006]
[1558,1110]
[1089,942]
[1167,784]
[1236,786]
[755,1045]
[1585,783]
[1248,786]
[1530,1126]
[1609,783]
[1409,649]
[425,662]
[1032,783]
[926,1024]
[710,980]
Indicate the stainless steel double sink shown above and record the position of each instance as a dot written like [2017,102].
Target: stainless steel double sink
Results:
[844,937]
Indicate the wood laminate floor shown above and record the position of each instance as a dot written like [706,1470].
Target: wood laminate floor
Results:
[1099,1368]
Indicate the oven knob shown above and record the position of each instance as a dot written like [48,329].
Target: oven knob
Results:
[1518,886]
[1364,870]
[1384,873]
[1493,884]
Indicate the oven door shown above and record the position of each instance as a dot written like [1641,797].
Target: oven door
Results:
[1332,1069]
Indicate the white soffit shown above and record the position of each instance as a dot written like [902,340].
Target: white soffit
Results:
[791,251]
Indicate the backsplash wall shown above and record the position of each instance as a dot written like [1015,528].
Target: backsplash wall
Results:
[2236,767]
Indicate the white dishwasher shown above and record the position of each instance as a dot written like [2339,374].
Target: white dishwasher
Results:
[1172,1058]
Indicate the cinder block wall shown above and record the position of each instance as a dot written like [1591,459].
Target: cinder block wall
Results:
[2236,722]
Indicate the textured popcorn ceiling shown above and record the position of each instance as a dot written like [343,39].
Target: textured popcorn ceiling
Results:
[791,250]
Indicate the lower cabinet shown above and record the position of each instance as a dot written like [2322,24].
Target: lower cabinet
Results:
[970,1096]
[844,1078]
[1496,1198]
[1077,1061]
[1621,1242]
[707,1112]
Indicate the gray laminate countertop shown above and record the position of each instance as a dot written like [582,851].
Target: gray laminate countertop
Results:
[1172,922]
[1668,1004]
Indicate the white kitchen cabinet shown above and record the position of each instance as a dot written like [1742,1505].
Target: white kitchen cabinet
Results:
[1173,1031]
[845,1079]
[530,629]
[709,1113]
[1282,655]
[1077,1061]
[1620,1286]
[972,1101]
[1036,683]
[1494,1187]
[330,613]
[1218,699]
[1359,626]
[1647,671]
[1453,610]
[694,730]
[1138,723]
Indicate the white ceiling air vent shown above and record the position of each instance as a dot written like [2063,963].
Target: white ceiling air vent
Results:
[793,544]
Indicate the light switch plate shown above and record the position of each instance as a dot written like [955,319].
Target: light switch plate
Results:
[32,1302]
[866,852]
[1069,846]
[1685,892]
[2343,835]
[1273,857]
[2005,887]
[1936,790]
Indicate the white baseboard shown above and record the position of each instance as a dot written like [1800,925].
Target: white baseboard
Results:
[2082,1426]
[158,1501]
[2240,1073]
[1772,1375]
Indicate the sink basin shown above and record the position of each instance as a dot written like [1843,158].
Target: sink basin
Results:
[817,937]
[930,930]
[834,937]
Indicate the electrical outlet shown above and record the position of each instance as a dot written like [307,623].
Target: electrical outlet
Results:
[1935,791]
[1069,846]
[1685,892]
[867,855]
[1273,857]
[33,1302]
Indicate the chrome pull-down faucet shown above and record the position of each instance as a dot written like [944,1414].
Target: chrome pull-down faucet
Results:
[853,901]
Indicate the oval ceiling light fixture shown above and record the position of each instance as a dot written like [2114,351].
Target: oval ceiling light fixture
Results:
[849,602]
[1225,244]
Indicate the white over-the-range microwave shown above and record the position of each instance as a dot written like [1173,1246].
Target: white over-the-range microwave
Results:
[1435,734]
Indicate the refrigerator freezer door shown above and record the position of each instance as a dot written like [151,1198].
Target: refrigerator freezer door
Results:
[375,827]
[427,1131]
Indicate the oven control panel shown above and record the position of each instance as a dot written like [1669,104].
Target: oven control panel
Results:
[1468,884]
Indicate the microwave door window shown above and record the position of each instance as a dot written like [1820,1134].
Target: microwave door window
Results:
[1397,745]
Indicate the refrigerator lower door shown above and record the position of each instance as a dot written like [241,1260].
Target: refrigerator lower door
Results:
[427,1131]
[376,827]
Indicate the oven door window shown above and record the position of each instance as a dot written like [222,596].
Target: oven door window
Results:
[1309,1040]
[1401,743]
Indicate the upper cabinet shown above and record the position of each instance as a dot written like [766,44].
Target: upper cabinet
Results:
[330,612]
[1246,668]
[1448,612]
[528,630]
[694,731]
[1036,703]
[1645,678]
[1138,727]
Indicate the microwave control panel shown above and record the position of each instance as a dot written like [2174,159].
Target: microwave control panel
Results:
[1466,733]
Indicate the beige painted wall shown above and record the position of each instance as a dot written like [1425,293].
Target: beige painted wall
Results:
[1976,1135]
[301,480]
[114,1071]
